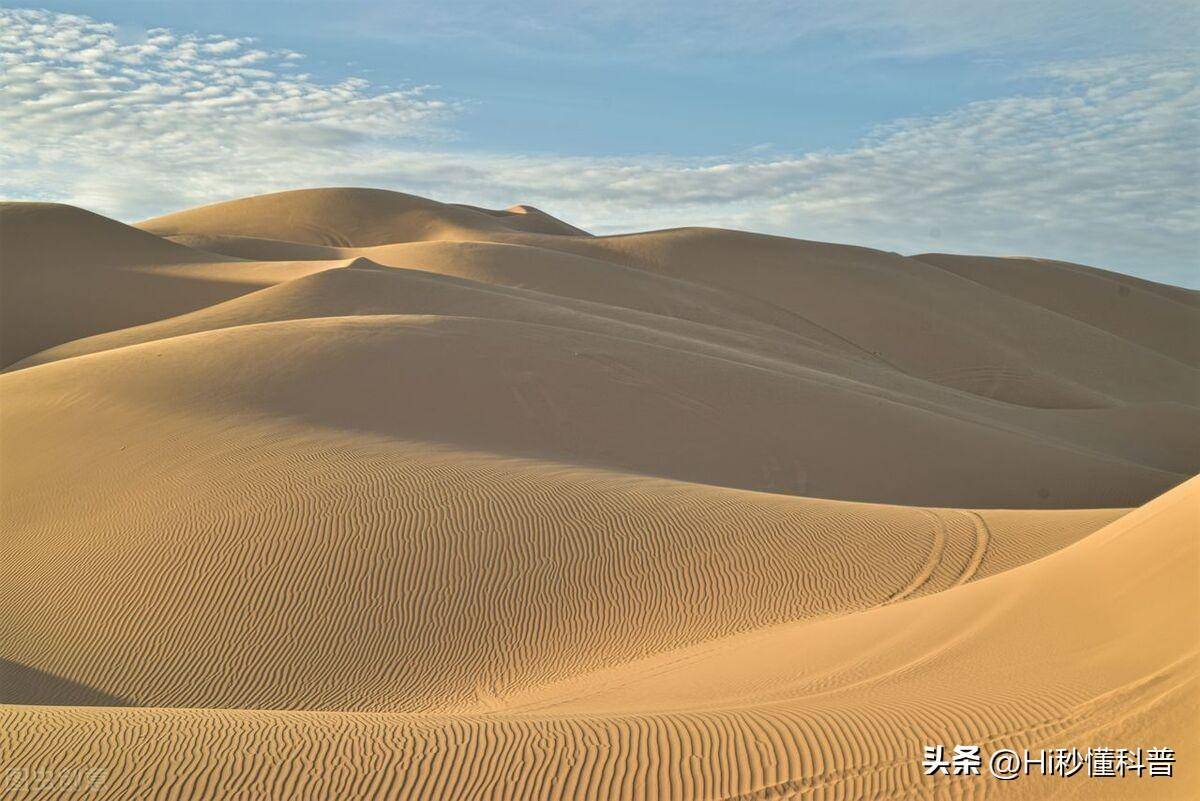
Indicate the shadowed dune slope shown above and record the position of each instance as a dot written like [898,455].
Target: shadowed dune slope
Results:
[66,273]
[257,248]
[529,389]
[347,494]
[917,317]
[1162,318]
[538,363]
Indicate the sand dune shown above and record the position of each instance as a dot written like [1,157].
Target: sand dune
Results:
[68,273]
[352,494]
[909,314]
[531,389]
[1155,316]
[353,218]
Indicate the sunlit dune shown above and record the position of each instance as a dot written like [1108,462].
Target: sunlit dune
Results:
[346,493]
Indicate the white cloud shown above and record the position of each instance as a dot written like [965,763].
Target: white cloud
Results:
[86,114]
[1100,166]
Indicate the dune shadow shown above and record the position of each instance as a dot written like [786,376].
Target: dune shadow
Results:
[20,684]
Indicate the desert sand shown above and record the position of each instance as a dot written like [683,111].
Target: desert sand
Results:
[345,493]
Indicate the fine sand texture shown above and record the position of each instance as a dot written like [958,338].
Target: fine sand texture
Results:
[350,494]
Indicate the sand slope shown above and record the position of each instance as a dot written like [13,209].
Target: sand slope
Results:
[66,273]
[1155,316]
[352,494]
[910,314]
[837,708]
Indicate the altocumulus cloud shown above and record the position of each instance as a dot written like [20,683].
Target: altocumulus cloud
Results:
[1100,165]
[128,126]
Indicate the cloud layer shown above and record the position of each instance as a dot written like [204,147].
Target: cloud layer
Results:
[1100,165]
[125,125]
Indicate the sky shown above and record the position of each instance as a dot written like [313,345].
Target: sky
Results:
[1055,128]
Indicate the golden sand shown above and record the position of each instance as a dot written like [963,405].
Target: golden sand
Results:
[351,494]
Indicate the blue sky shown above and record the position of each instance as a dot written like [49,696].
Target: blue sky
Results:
[1059,129]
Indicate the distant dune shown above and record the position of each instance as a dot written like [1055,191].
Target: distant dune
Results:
[345,493]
